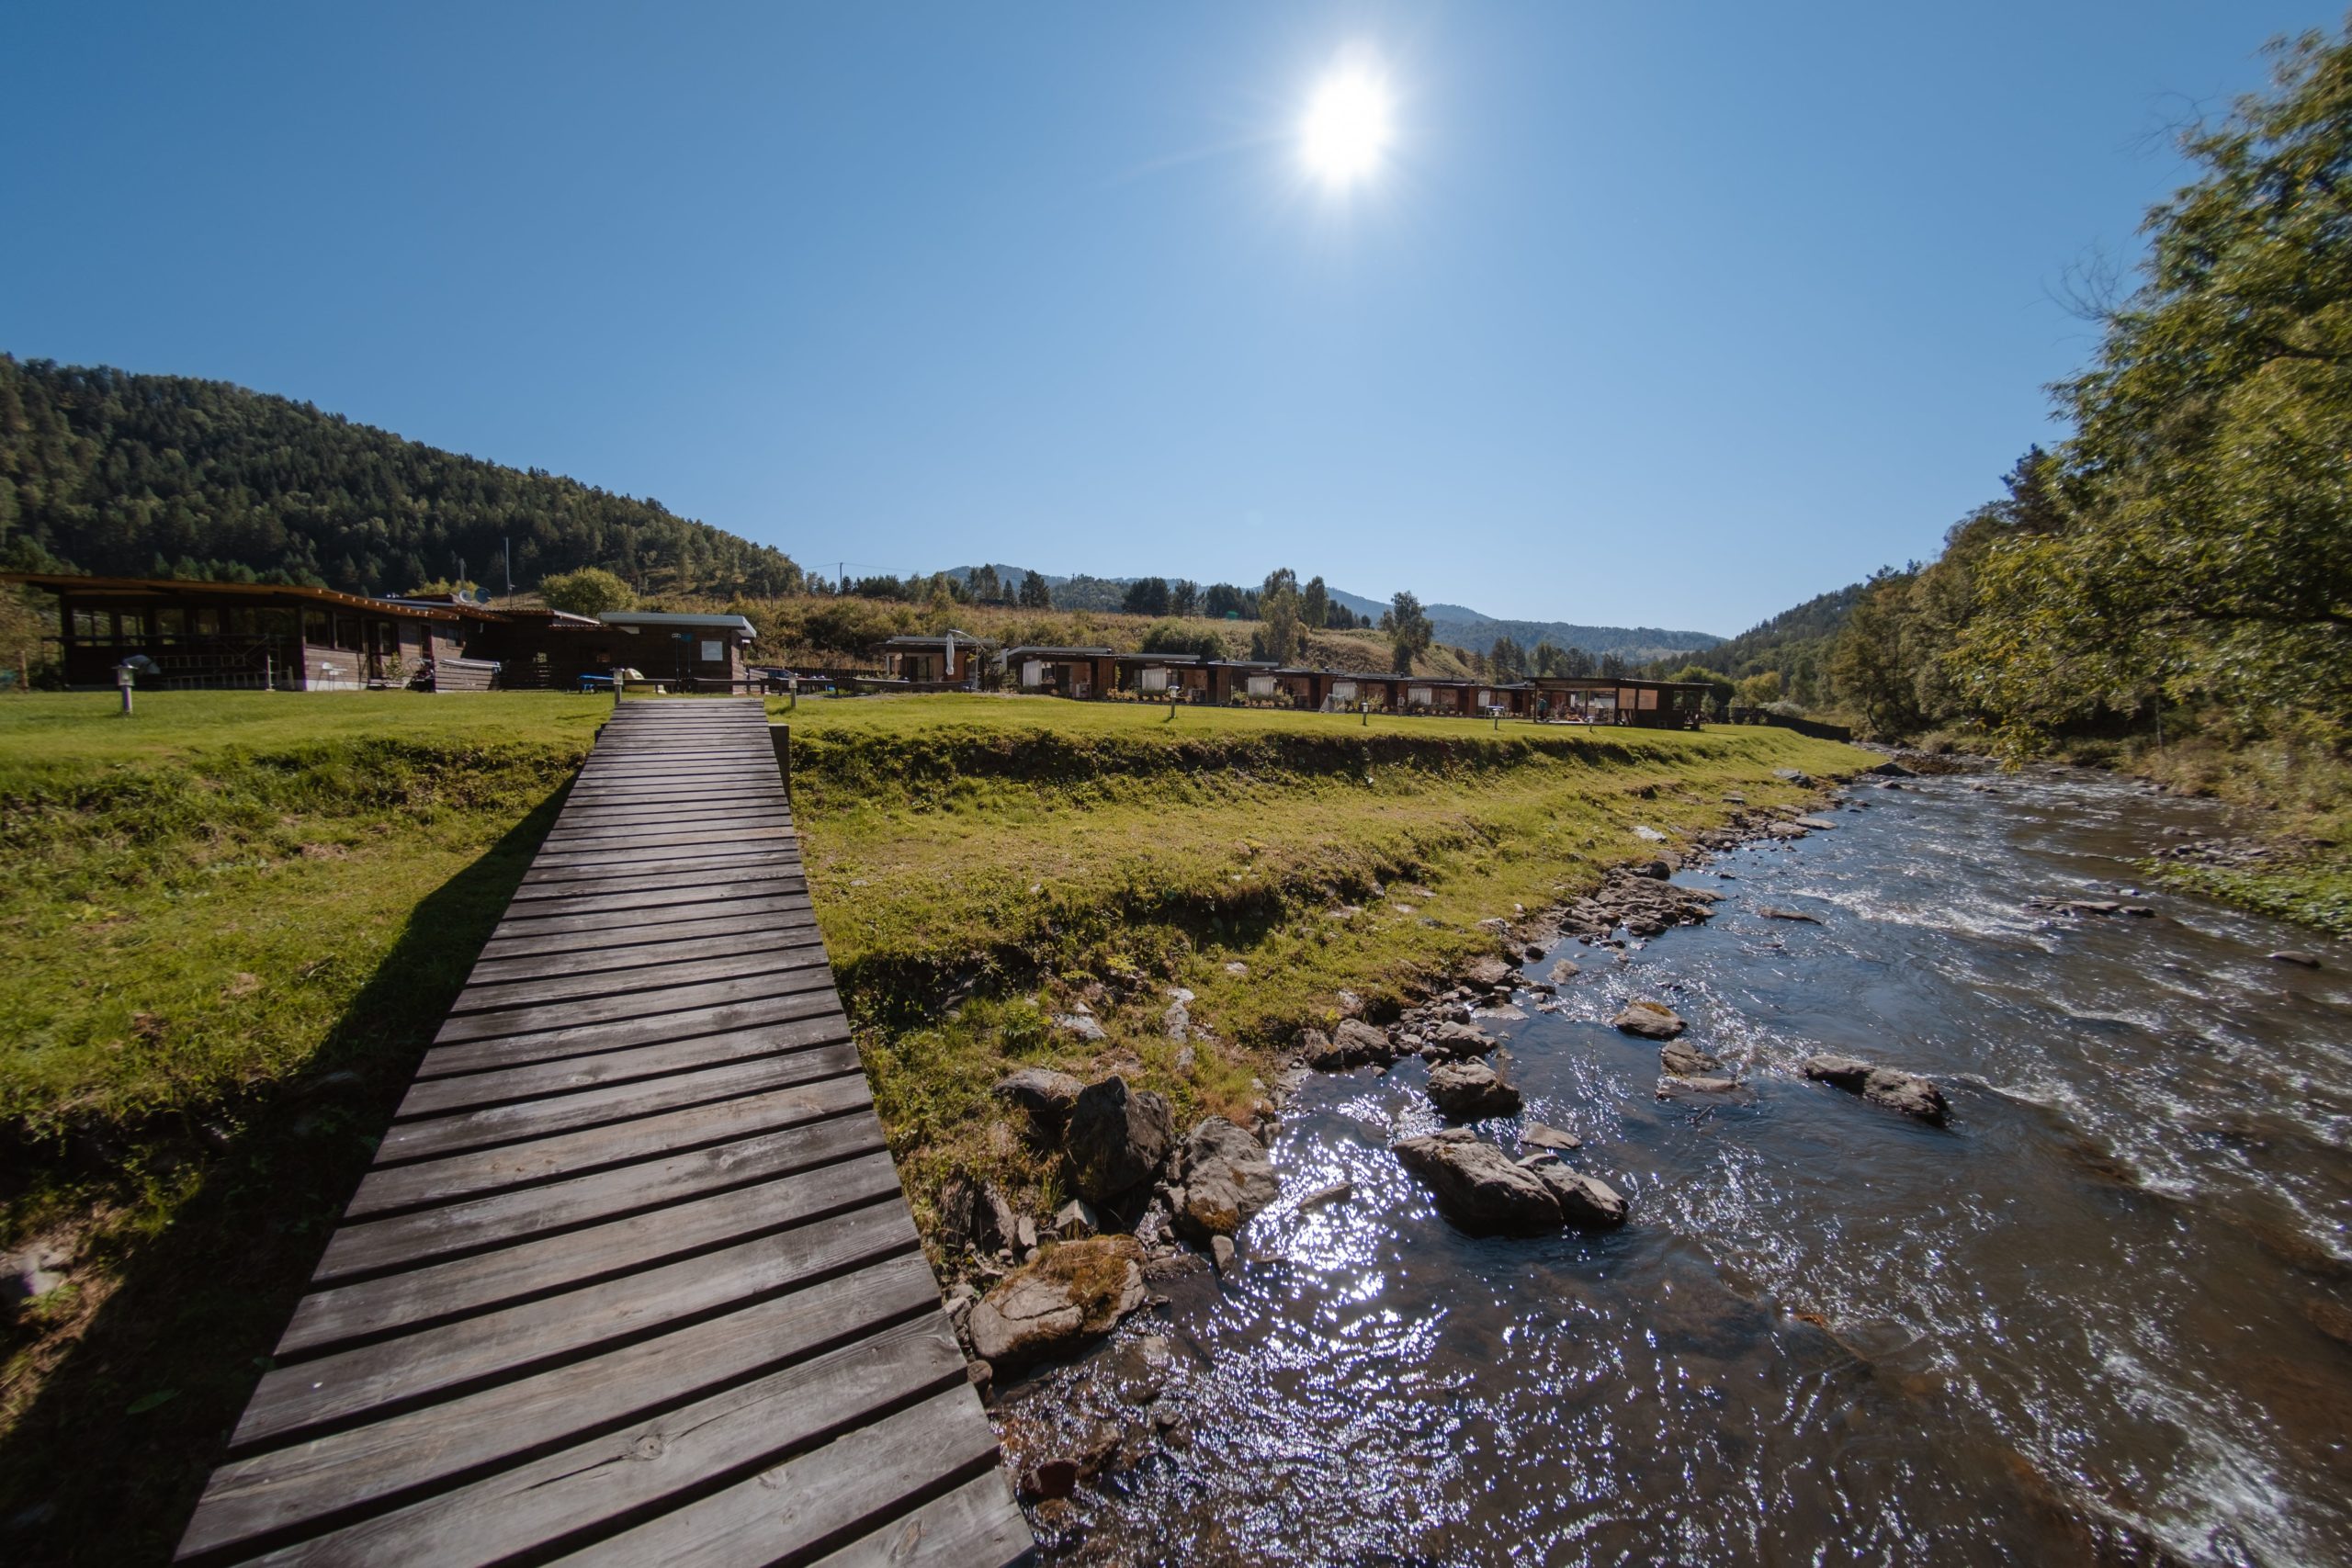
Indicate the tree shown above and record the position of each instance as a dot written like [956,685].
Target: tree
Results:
[591,590]
[1183,596]
[1036,594]
[2202,546]
[1278,606]
[1871,670]
[1409,632]
[1508,660]
[1315,604]
[1147,596]
[1761,690]
[986,589]
[1225,601]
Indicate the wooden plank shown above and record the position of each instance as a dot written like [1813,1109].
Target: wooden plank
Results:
[510,1218]
[855,1485]
[565,1497]
[567,1075]
[640,946]
[330,1390]
[795,994]
[714,908]
[388,1189]
[697,965]
[808,1174]
[545,1116]
[975,1523]
[658,996]
[368,1466]
[655,895]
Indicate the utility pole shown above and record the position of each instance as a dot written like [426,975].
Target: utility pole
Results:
[509,546]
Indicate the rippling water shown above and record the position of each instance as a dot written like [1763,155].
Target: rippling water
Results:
[2085,1322]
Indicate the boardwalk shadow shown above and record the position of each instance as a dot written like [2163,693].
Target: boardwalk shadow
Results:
[106,1464]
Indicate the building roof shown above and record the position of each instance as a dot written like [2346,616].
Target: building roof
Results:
[914,640]
[627,619]
[283,592]
[1033,651]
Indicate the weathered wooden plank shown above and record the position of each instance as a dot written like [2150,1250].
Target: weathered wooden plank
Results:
[669,943]
[711,908]
[793,994]
[858,1482]
[510,1218]
[576,985]
[568,1074]
[542,1116]
[651,839]
[975,1523]
[387,1188]
[807,1175]
[330,1390]
[584,1491]
[365,1468]
[657,896]
[653,998]
[716,860]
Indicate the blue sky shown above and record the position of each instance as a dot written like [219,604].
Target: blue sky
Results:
[1662,314]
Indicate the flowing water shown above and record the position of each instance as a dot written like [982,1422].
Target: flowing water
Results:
[2100,1317]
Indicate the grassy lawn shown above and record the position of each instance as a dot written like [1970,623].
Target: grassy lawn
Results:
[234,920]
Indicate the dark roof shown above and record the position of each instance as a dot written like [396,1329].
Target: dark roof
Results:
[159,587]
[1036,650]
[1157,657]
[1605,683]
[911,640]
[628,618]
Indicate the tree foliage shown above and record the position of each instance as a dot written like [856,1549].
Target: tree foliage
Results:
[1409,629]
[591,590]
[146,474]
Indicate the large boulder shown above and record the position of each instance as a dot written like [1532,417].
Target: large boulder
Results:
[1489,973]
[1076,1291]
[1478,1186]
[1044,1094]
[1907,1092]
[1222,1177]
[1468,1091]
[1650,1020]
[1585,1201]
[1116,1140]
[974,1214]
[1453,1040]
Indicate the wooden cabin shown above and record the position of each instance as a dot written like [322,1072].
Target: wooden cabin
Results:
[1079,673]
[666,644]
[952,658]
[1623,700]
[248,635]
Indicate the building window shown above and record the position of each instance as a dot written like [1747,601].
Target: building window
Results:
[714,653]
[93,625]
[171,620]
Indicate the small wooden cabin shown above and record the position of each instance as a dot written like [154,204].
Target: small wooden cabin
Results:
[1078,672]
[952,659]
[669,644]
[247,634]
[1622,700]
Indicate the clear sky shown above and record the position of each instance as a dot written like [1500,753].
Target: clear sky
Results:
[1664,314]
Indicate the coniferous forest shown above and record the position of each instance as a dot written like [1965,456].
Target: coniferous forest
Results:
[106,471]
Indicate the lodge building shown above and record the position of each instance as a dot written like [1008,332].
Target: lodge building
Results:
[272,635]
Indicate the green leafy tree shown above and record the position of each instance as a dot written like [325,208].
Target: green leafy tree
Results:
[2204,546]
[1183,597]
[1278,636]
[1315,604]
[1409,632]
[1147,596]
[591,590]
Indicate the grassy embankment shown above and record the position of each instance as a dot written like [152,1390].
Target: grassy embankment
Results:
[234,919]
[982,863]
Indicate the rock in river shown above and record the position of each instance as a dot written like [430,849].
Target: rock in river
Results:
[1226,1178]
[1448,1040]
[1466,1091]
[1683,1059]
[1907,1092]
[1076,1291]
[1585,1201]
[1650,1020]
[1478,1186]
[1352,1044]
[1116,1140]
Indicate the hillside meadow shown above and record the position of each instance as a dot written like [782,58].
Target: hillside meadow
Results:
[234,919]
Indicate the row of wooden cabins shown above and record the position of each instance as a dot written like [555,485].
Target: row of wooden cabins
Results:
[294,638]
[1102,673]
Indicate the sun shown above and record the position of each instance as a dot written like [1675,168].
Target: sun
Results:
[1346,127]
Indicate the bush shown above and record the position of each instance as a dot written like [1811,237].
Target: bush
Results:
[591,590]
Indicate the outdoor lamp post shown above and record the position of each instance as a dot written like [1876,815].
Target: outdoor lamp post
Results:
[136,664]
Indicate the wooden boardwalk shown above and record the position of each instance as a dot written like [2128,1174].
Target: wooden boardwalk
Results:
[632,1279]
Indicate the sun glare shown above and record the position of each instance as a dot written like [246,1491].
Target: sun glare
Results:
[1347,128]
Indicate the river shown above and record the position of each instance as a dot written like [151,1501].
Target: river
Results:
[2100,1317]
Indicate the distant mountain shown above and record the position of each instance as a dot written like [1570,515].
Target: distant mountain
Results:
[134,474]
[1455,625]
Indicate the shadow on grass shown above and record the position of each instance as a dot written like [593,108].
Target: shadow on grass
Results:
[106,1464]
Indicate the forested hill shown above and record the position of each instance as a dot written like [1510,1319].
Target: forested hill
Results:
[112,472]
[1797,643]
